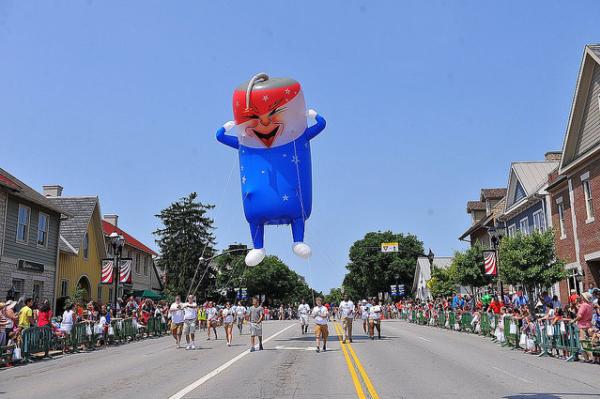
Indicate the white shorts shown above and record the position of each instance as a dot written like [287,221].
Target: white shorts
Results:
[66,328]
[189,327]
[304,319]
[255,330]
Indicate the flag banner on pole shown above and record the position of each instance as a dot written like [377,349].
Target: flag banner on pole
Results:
[490,267]
[125,272]
[107,272]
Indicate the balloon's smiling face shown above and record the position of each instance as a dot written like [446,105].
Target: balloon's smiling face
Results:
[268,126]
[275,114]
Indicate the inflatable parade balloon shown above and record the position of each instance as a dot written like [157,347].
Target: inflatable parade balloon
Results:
[272,137]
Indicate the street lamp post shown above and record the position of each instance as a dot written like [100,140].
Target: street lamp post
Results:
[117,241]
[496,233]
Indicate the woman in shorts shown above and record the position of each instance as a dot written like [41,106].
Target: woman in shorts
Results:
[227,318]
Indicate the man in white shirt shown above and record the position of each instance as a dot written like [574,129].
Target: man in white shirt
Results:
[303,311]
[176,314]
[240,315]
[190,314]
[346,310]
[321,314]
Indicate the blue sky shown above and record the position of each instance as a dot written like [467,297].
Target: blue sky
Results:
[426,102]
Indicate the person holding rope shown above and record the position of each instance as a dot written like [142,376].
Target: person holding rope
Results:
[190,313]
[212,319]
[346,310]
[321,315]
[240,315]
[257,314]
[375,319]
[303,311]
[176,315]
[227,317]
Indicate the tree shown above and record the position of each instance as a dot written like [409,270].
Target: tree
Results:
[468,266]
[370,271]
[186,236]
[530,260]
[443,282]
[276,281]
[335,296]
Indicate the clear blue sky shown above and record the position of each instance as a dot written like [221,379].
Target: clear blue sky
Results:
[426,102]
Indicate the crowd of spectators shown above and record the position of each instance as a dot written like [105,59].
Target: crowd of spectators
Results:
[544,315]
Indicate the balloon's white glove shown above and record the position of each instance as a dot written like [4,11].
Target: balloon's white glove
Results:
[229,125]
[311,113]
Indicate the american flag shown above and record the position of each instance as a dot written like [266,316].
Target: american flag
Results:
[489,263]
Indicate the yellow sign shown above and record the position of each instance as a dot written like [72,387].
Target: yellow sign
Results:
[387,247]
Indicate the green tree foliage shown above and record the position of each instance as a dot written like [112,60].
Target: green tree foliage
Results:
[335,296]
[370,271]
[468,267]
[271,278]
[443,282]
[530,260]
[276,281]
[186,236]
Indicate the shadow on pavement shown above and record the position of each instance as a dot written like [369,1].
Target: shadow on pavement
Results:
[550,395]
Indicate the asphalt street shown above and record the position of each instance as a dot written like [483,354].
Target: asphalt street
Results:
[409,362]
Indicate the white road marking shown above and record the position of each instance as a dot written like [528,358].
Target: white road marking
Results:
[294,348]
[222,367]
[425,339]
[511,375]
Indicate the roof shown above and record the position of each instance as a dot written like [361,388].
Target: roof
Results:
[532,176]
[73,229]
[475,206]
[492,193]
[582,137]
[129,239]
[440,262]
[496,211]
[27,193]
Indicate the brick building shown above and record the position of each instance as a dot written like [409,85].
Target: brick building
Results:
[575,188]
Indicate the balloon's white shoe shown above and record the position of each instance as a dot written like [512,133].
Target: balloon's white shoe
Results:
[255,256]
[302,250]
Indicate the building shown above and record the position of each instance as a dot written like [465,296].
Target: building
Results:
[29,240]
[423,274]
[575,188]
[527,202]
[144,275]
[81,248]
[483,215]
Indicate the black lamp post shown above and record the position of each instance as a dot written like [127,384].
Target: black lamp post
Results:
[496,233]
[117,241]
[430,257]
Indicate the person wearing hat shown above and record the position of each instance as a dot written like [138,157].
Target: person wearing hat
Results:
[10,319]
[584,320]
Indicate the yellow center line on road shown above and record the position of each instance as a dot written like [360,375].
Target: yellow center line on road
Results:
[359,366]
[357,385]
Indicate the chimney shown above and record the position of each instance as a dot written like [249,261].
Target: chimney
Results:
[112,219]
[552,156]
[52,190]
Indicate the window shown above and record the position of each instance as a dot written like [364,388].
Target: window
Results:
[18,286]
[23,223]
[561,219]
[539,221]
[99,292]
[42,232]
[524,226]
[146,266]
[587,193]
[86,246]
[64,288]
[137,263]
[38,288]
[512,230]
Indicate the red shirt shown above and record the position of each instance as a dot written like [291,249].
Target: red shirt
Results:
[496,306]
[44,318]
